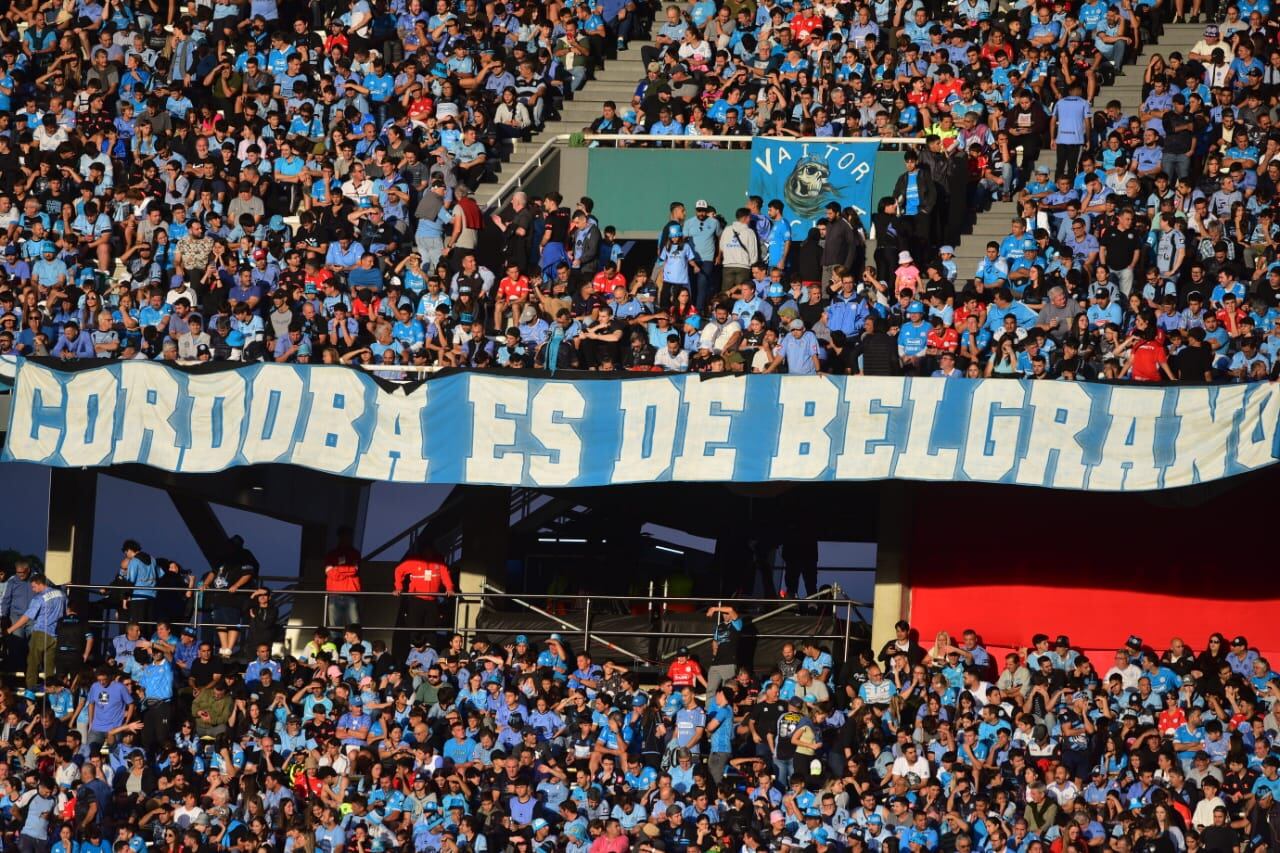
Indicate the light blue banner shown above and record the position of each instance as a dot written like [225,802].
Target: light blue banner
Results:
[806,176]
[517,430]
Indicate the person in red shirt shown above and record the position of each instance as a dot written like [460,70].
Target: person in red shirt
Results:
[943,89]
[971,306]
[341,577]
[607,279]
[996,48]
[612,840]
[806,23]
[1148,357]
[684,671]
[420,581]
[513,295]
[1230,315]
[941,338]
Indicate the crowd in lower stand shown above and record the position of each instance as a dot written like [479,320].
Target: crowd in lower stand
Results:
[162,738]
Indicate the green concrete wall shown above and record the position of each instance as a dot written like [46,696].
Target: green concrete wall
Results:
[632,187]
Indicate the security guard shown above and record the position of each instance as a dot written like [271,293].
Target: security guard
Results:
[47,607]
[156,681]
[75,643]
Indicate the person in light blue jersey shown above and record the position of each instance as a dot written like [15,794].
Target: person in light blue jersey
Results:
[45,610]
[1068,127]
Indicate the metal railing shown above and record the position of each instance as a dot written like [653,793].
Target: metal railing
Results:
[665,140]
[526,171]
[586,608]
[540,157]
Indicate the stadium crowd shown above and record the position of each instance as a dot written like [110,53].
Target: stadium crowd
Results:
[160,738]
[293,182]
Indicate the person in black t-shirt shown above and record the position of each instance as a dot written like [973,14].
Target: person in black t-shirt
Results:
[1193,364]
[225,607]
[763,721]
[205,669]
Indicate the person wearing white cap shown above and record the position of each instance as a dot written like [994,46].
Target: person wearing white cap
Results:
[555,658]
[947,257]
[703,236]
[907,275]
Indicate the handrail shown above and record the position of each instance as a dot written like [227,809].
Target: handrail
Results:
[519,503]
[537,161]
[412,529]
[587,635]
[822,596]
[829,594]
[713,137]
[516,181]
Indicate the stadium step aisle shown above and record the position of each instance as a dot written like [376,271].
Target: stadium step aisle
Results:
[1127,88]
[616,82]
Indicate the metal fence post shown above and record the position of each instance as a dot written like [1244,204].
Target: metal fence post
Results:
[586,628]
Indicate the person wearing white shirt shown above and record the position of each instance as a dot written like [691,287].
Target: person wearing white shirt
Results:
[911,761]
[1129,672]
[672,358]
[721,333]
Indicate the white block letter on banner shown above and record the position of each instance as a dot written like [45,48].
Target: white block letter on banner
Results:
[395,453]
[219,404]
[702,428]
[640,398]
[1258,426]
[91,409]
[917,460]
[330,441]
[489,431]
[803,449]
[562,462]
[863,426]
[1200,452]
[1060,412]
[1129,452]
[273,414]
[150,398]
[999,427]
[25,440]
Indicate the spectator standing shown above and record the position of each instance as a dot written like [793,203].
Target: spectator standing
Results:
[840,246]
[44,612]
[14,600]
[726,640]
[139,571]
[342,577]
[421,580]
[739,249]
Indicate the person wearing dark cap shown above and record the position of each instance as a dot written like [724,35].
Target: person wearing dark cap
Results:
[1240,657]
[1063,656]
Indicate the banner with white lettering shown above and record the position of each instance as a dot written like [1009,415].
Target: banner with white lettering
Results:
[512,429]
[807,176]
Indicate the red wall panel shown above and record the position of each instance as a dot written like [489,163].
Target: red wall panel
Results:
[1011,563]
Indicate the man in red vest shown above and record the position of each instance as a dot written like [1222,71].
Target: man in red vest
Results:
[420,579]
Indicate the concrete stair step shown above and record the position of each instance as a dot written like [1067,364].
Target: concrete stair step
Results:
[617,74]
[615,82]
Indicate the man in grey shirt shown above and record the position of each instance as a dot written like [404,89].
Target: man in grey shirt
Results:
[1058,315]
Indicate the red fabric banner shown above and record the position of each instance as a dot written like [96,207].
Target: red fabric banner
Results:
[1096,567]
